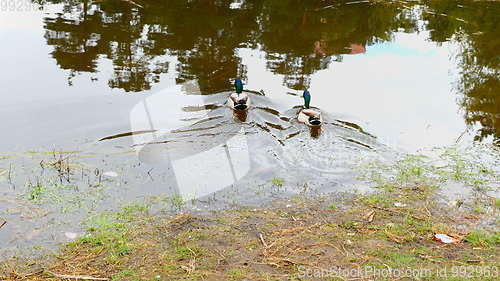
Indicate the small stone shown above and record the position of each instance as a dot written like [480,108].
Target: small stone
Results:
[71,235]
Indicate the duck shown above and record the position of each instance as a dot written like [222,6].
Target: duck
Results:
[310,116]
[239,100]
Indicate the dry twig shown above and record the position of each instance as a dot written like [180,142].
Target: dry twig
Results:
[262,240]
[3,223]
[398,212]
[369,217]
[78,277]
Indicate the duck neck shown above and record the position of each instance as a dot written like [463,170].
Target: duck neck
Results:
[238,86]
[307,101]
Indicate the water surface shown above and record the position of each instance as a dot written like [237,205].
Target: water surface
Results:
[138,88]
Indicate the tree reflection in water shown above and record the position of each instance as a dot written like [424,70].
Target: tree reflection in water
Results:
[475,27]
[298,38]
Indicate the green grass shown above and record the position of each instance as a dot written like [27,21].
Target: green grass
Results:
[455,164]
[50,192]
[333,207]
[111,231]
[36,191]
[109,235]
[122,274]
[184,253]
[236,274]
[277,181]
[483,239]
[402,259]
[176,201]
[378,199]
[130,211]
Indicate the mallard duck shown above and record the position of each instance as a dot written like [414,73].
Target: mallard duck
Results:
[307,115]
[239,100]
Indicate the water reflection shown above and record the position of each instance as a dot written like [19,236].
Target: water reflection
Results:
[398,53]
[315,132]
[193,138]
[204,147]
[240,115]
[475,26]
[298,39]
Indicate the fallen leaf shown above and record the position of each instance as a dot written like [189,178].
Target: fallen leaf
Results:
[369,217]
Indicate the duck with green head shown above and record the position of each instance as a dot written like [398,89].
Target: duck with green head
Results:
[239,100]
[310,116]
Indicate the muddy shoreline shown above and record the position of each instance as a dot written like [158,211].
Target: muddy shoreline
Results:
[293,240]
[309,232]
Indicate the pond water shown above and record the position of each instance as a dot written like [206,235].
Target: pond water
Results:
[138,88]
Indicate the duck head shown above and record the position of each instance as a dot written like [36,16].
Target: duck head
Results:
[307,98]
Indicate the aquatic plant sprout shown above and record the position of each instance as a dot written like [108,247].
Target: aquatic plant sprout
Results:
[477,167]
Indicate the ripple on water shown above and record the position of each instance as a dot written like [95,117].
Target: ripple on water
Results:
[219,150]
[216,157]
[330,149]
[276,138]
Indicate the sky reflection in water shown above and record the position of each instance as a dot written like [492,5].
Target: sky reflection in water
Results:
[113,76]
[400,72]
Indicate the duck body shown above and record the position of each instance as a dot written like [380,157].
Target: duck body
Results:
[310,116]
[239,100]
